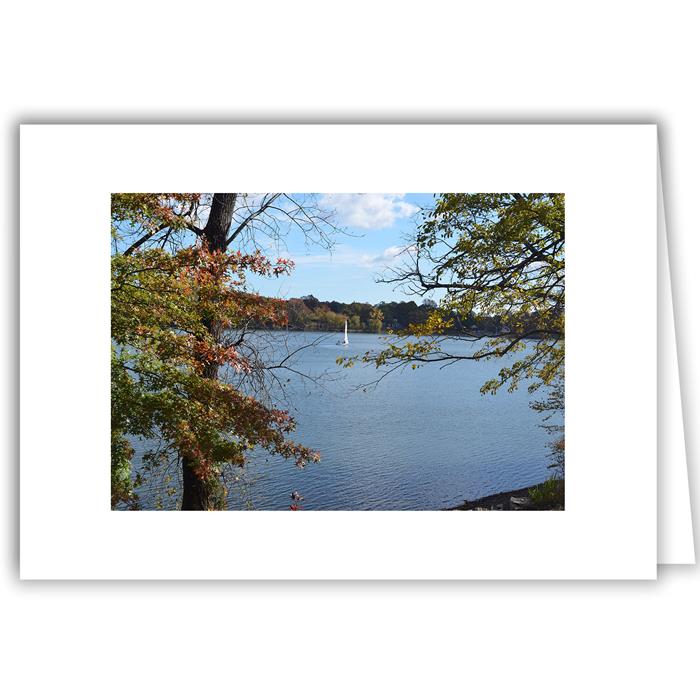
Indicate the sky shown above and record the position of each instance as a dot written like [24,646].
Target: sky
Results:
[376,227]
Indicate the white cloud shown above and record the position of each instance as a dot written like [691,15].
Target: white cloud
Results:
[393,252]
[345,255]
[369,211]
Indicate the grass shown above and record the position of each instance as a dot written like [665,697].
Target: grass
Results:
[549,494]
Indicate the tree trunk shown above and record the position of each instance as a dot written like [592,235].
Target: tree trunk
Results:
[197,493]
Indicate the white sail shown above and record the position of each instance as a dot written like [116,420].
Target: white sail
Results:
[345,340]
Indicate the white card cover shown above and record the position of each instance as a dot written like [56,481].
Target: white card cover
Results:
[608,529]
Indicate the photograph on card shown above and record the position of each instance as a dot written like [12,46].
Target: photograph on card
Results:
[348,351]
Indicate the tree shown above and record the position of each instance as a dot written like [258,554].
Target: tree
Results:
[297,313]
[376,318]
[497,257]
[553,405]
[181,313]
[311,301]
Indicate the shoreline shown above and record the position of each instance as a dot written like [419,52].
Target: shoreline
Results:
[502,501]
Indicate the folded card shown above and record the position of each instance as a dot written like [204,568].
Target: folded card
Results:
[367,375]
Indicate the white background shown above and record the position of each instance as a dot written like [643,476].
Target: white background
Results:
[610,444]
[508,62]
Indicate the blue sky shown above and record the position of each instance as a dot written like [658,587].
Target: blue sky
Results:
[376,226]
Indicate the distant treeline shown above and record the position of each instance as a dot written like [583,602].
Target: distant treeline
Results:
[310,313]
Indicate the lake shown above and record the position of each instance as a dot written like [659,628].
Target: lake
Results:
[420,439]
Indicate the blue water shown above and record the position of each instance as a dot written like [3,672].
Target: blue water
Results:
[419,440]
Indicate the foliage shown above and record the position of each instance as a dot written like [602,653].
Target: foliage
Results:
[308,313]
[167,310]
[143,215]
[188,365]
[123,482]
[494,256]
[549,494]
[553,405]
[376,319]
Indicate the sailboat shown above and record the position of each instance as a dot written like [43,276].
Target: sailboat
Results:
[345,339]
